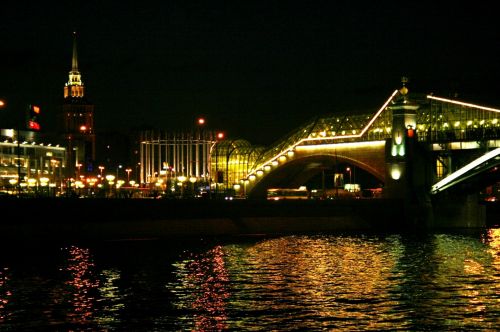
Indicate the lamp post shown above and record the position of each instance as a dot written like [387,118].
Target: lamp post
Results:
[111,181]
[117,169]
[220,136]
[181,180]
[192,179]
[78,165]
[229,151]
[128,170]
[137,179]
[101,168]
[348,169]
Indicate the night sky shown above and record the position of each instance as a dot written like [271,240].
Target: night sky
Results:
[256,69]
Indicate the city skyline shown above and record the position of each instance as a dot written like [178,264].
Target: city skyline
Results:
[257,71]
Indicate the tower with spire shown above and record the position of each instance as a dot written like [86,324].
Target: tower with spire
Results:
[78,122]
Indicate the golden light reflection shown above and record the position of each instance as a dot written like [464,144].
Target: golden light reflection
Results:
[82,284]
[390,282]
[204,280]
[5,293]
[463,258]
[318,272]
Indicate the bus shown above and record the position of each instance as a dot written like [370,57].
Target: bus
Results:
[276,194]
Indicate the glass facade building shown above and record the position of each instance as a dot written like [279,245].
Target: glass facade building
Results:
[27,164]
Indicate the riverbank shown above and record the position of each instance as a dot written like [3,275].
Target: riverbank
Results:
[146,218]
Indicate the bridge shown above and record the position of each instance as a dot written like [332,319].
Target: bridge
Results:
[410,143]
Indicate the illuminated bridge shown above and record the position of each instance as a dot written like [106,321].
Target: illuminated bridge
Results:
[425,136]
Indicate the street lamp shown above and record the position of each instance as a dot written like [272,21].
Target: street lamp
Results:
[348,169]
[101,168]
[111,181]
[78,165]
[137,179]
[181,180]
[214,148]
[117,169]
[128,170]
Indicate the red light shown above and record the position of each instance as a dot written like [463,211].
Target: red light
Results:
[201,121]
[410,133]
[83,128]
[220,135]
[34,125]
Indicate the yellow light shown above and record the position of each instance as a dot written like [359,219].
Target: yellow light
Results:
[395,172]
[290,153]
[9,133]
[464,104]
[192,179]
[374,144]
[110,177]
[381,109]
[13,181]
[267,168]
[274,163]
[236,187]
[282,158]
[401,150]
[181,178]
[444,182]
[260,172]
[457,123]
[398,139]
[251,177]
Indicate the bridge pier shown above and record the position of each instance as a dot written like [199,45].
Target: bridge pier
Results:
[409,176]
[458,211]
[407,168]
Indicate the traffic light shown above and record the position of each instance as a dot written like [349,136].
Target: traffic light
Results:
[33,114]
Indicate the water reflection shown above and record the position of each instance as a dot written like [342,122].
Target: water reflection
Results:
[435,282]
[395,282]
[5,293]
[81,285]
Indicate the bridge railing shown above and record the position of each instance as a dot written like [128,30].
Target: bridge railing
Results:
[443,120]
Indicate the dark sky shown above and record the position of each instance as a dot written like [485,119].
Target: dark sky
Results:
[256,69]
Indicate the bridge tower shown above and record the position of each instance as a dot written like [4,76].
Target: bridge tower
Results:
[407,173]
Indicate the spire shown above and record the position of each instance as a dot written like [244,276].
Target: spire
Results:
[74,87]
[74,62]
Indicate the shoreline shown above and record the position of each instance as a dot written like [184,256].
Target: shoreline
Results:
[143,218]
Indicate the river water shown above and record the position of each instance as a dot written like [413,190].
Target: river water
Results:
[321,282]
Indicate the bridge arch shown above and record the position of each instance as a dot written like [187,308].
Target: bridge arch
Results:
[302,167]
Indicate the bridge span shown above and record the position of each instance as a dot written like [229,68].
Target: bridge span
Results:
[428,135]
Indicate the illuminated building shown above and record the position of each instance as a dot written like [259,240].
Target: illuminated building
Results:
[35,163]
[231,161]
[200,156]
[165,156]
[77,118]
